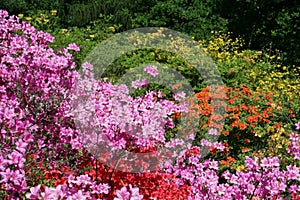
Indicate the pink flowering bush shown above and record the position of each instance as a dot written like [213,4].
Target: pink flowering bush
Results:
[37,86]
[34,82]
[50,116]
[262,179]
[132,194]
[80,187]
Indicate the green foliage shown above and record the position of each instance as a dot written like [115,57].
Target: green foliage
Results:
[272,24]
[85,37]
[13,6]
[44,20]
[129,61]
[26,6]
[197,18]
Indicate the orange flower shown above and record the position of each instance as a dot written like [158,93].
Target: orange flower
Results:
[216,117]
[246,140]
[220,93]
[251,119]
[246,91]
[291,113]
[242,126]
[224,162]
[176,86]
[179,128]
[265,114]
[176,115]
[277,126]
[234,123]
[226,133]
[244,150]
[243,107]
[230,159]
[231,101]
[269,109]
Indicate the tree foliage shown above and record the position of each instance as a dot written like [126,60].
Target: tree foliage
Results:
[263,24]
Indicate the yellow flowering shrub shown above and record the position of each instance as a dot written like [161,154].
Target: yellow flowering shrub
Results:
[258,69]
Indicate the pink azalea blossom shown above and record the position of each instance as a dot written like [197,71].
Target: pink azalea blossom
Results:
[297,126]
[74,47]
[152,70]
[34,192]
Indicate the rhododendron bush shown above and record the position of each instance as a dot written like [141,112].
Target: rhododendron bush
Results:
[49,150]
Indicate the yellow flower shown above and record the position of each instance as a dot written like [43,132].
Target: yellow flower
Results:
[270,129]
[53,12]
[38,20]
[28,18]
[240,168]
[181,68]
[20,16]
[112,29]
[92,36]
[281,130]
[258,134]
[64,30]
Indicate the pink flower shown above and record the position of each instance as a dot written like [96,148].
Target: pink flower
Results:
[52,193]
[34,192]
[16,158]
[152,70]
[122,194]
[9,113]
[294,189]
[135,193]
[292,173]
[77,196]
[74,47]
[138,84]
[101,188]
[297,126]
[131,194]
[179,96]
[213,131]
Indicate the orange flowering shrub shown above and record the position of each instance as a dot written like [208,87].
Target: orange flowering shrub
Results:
[248,119]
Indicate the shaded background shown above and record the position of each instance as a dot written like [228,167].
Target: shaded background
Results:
[263,24]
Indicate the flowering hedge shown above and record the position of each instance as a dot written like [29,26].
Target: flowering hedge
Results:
[44,156]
